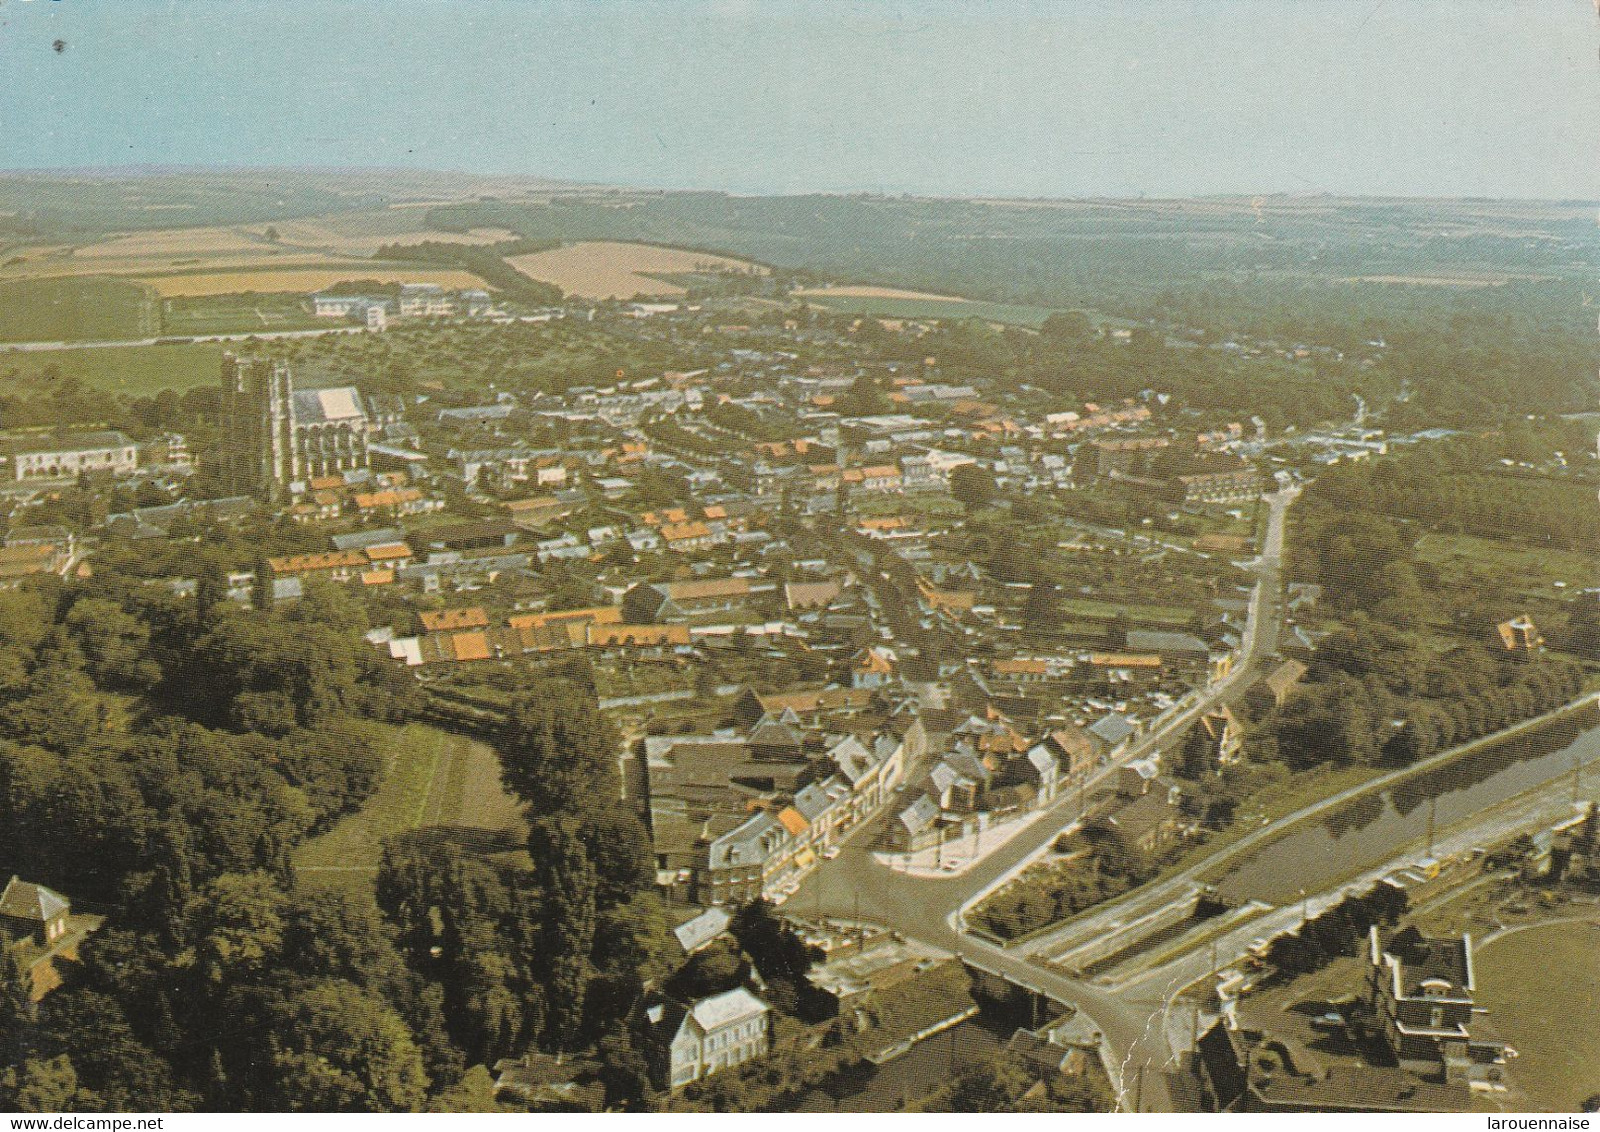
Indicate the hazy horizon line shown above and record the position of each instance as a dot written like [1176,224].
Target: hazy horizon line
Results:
[149,169]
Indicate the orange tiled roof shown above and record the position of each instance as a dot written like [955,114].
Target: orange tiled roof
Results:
[1021,667]
[470,646]
[369,500]
[679,532]
[597,615]
[1124,660]
[440,620]
[700,588]
[307,563]
[388,552]
[791,820]
[638,636]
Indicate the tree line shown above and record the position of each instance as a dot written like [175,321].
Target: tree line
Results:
[161,755]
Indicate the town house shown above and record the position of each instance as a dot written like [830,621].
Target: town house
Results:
[686,1043]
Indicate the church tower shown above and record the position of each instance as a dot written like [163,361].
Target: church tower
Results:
[258,450]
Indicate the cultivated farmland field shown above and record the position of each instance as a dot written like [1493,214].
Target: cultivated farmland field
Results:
[363,233]
[168,242]
[433,780]
[602,269]
[331,241]
[63,265]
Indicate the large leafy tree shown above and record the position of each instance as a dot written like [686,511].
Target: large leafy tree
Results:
[567,879]
[237,925]
[342,1049]
[558,750]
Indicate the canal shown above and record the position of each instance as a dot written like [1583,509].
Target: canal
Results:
[1369,829]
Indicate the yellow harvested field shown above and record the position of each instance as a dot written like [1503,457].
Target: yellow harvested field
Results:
[165,242]
[363,233]
[56,268]
[602,269]
[875,293]
[302,282]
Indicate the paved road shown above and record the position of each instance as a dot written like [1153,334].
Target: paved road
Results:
[928,909]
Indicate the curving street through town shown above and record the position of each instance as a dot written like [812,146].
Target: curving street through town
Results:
[857,885]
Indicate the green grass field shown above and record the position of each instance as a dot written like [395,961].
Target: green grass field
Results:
[75,310]
[136,371]
[1528,571]
[432,778]
[1542,988]
[237,314]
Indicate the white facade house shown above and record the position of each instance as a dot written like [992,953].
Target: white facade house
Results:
[425,300]
[713,1034]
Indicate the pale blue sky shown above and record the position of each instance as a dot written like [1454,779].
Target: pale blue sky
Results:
[1462,97]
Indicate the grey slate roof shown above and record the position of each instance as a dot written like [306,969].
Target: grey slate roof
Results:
[24,901]
[1146,640]
[943,776]
[1112,728]
[853,760]
[726,1009]
[360,540]
[1043,761]
[749,844]
[813,801]
[920,814]
[708,925]
[773,733]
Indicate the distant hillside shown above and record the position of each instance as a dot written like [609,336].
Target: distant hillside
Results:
[71,204]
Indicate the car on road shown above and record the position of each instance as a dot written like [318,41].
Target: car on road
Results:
[830,853]
[950,866]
